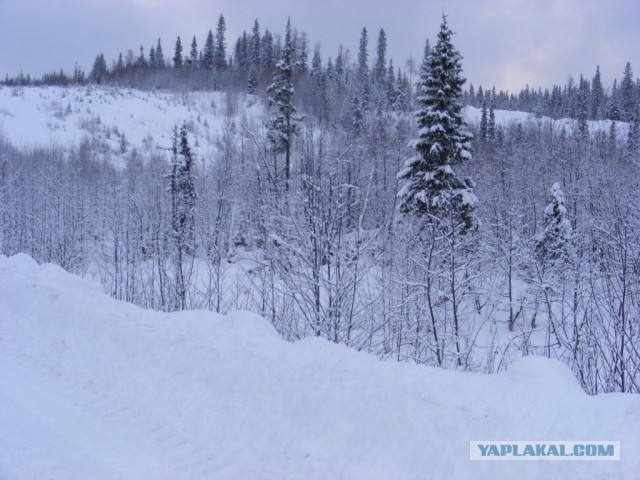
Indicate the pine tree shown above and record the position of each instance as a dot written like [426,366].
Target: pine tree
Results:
[252,81]
[208,52]
[363,55]
[627,95]
[220,54]
[99,70]
[193,54]
[177,55]
[242,53]
[119,65]
[381,59]
[430,186]
[183,211]
[255,47]
[484,123]
[282,125]
[597,96]
[633,137]
[302,50]
[583,110]
[268,55]
[160,63]
[424,66]
[142,61]
[613,108]
[555,244]
[390,85]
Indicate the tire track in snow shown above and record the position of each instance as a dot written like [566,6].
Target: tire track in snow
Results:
[121,436]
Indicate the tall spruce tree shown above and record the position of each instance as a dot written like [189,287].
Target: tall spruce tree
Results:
[582,110]
[177,55]
[159,63]
[220,53]
[256,41]
[597,96]
[484,123]
[183,213]
[381,57]
[282,125]
[627,94]
[193,54]
[555,244]
[208,52]
[430,186]
[363,55]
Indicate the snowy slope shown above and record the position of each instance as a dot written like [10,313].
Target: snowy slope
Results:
[93,388]
[44,116]
[473,115]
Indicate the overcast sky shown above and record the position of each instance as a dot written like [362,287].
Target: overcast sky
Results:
[506,43]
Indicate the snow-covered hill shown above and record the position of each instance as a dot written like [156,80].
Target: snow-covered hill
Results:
[473,115]
[45,116]
[93,388]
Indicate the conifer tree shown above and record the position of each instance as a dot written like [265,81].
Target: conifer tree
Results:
[633,137]
[583,109]
[597,96]
[160,63]
[363,55]
[282,125]
[255,47]
[484,122]
[119,65]
[613,108]
[193,54]
[627,95]
[99,70]
[183,211]
[555,244]
[268,55]
[381,59]
[177,55]
[142,61]
[491,126]
[430,186]
[208,52]
[252,81]
[220,53]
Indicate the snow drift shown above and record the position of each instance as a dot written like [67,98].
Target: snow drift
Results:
[93,388]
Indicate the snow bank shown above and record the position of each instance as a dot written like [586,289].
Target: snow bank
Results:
[95,388]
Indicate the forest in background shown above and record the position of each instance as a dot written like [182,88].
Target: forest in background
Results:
[298,216]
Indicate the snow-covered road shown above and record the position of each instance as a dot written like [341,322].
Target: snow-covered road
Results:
[53,427]
[96,389]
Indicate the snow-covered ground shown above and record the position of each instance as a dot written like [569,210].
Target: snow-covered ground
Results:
[505,117]
[45,116]
[93,388]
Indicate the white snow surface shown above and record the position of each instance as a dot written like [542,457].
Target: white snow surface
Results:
[506,117]
[94,388]
[64,116]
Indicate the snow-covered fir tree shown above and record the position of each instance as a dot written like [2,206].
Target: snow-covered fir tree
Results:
[177,55]
[207,61]
[220,51]
[555,244]
[283,124]
[183,211]
[484,122]
[430,186]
